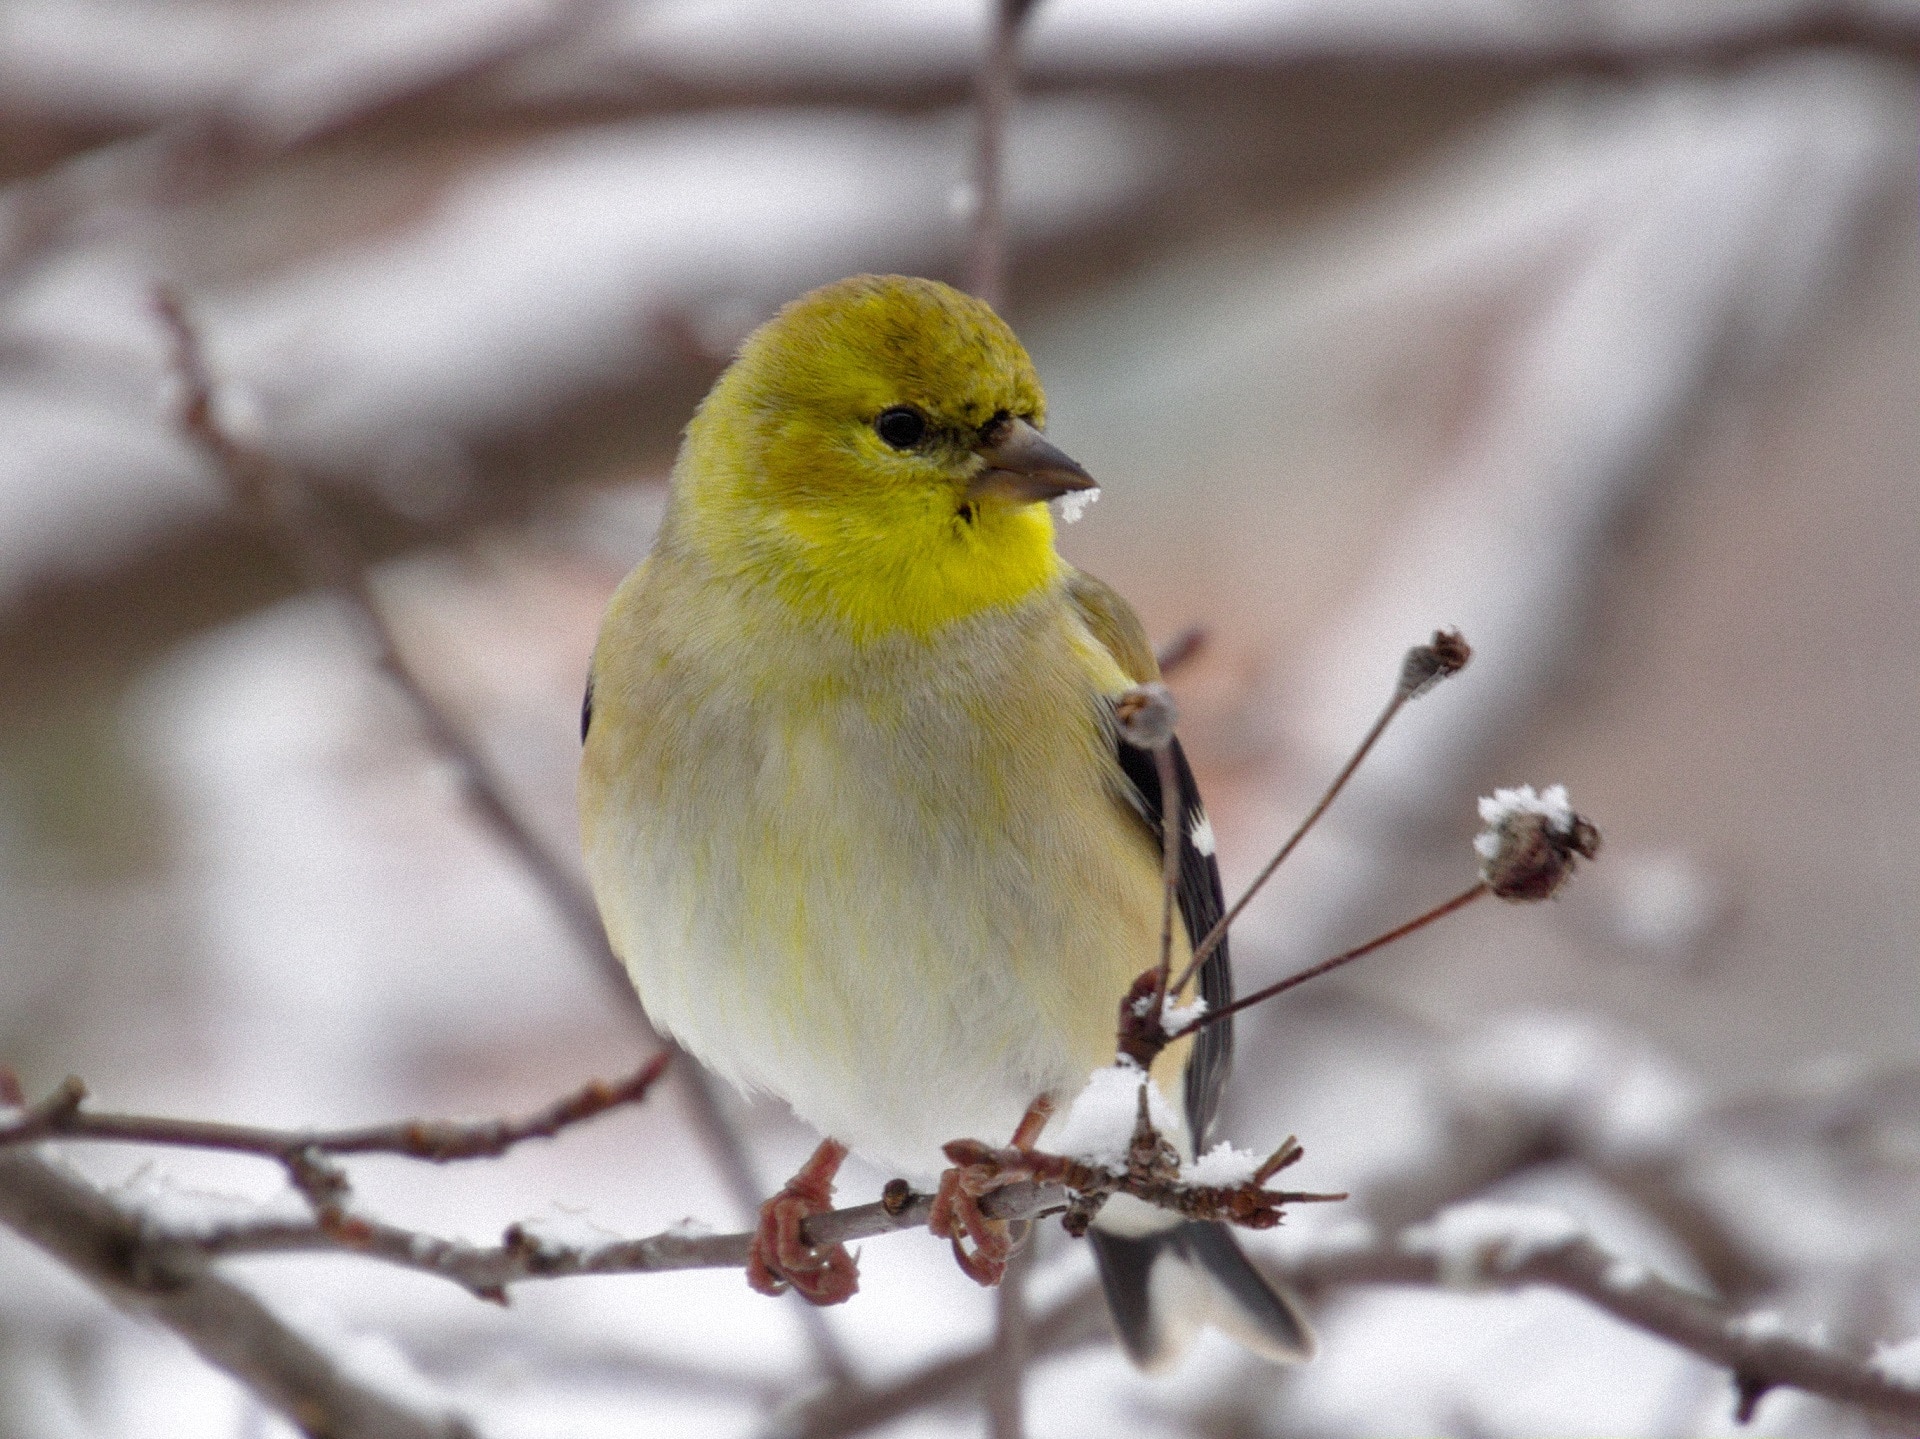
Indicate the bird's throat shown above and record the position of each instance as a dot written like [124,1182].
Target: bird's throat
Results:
[914,568]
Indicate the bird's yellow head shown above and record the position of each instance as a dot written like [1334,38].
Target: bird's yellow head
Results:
[873,453]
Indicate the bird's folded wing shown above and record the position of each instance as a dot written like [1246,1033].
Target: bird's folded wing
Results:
[1201,900]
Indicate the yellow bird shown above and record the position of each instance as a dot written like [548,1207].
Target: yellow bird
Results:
[855,805]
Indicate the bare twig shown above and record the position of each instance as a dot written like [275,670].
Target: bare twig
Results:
[437,1140]
[272,495]
[176,1287]
[1001,1390]
[1173,821]
[487,1270]
[1398,932]
[1182,650]
[1424,666]
[993,91]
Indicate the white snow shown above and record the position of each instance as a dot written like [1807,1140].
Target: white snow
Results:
[1482,1240]
[1621,1097]
[171,1203]
[1505,804]
[1221,1166]
[1099,1126]
[1899,1362]
[1072,505]
[1176,1018]
[565,1229]
[1624,1274]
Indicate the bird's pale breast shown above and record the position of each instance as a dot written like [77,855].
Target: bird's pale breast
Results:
[898,889]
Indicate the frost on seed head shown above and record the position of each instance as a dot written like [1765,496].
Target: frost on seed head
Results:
[1531,842]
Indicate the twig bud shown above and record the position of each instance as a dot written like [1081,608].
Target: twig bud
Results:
[1426,665]
[1531,842]
[1147,715]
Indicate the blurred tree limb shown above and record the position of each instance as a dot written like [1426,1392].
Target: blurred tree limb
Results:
[116,1252]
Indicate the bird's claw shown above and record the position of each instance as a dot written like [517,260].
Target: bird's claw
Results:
[780,1258]
[956,1215]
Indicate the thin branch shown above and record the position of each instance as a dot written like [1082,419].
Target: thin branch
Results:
[270,493]
[1173,823]
[1182,650]
[1260,996]
[170,1284]
[1424,666]
[1001,1390]
[437,1140]
[524,1253]
[993,93]
[1758,1358]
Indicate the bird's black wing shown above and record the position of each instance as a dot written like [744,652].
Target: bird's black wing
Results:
[1202,902]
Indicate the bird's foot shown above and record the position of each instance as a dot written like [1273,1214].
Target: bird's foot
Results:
[956,1215]
[780,1257]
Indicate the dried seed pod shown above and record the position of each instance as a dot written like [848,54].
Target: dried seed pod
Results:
[1531,842]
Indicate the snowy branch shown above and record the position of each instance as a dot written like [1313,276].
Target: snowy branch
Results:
[1509,1253]
[172,1284]
[162,1268]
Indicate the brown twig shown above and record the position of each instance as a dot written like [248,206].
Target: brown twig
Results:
[1425,665]
[439,1141]
[1173,819]
[276,498]
[1398,932]
[1182,650]
[993,97]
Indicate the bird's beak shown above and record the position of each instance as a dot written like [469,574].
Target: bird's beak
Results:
[1022,466]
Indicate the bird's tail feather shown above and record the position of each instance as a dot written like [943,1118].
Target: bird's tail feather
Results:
[1162,1287]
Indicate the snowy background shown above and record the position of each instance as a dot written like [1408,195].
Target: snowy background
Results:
[1591,329]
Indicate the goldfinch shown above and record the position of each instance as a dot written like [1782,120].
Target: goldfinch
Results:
[855,806]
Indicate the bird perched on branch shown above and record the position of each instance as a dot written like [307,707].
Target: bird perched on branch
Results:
[856,806]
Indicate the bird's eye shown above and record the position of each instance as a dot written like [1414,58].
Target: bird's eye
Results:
[902,427]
